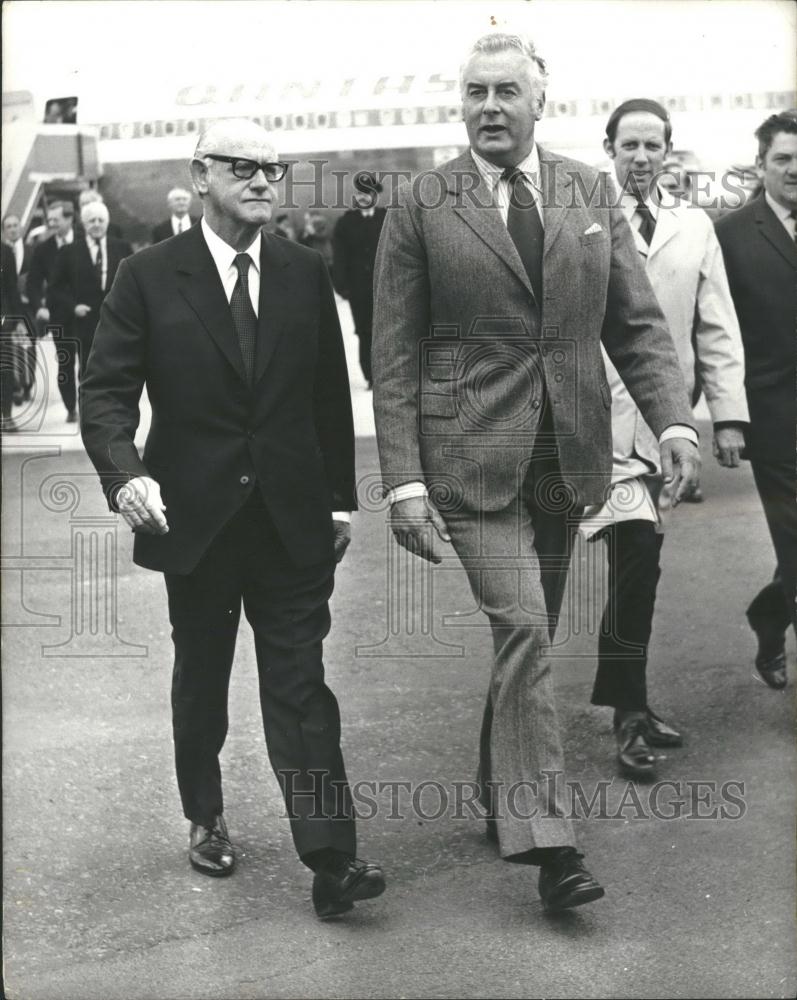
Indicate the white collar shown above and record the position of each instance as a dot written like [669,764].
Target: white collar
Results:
[223,254]
[628,201]
[90,240]
[529,167]
[781,211]
[63,241]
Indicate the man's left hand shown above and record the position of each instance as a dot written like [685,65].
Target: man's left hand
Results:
[727,446]
[342,531]
[680,466]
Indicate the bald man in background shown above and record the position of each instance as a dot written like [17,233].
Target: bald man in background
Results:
[179,202]
[243,492]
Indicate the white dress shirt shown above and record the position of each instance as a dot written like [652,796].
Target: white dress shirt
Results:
[93,248]
[179,225]
[65,241]
[18,246]
[783,214]
[224,258]
[491,174]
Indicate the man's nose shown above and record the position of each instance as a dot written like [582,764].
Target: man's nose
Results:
[259,180]
[491,105]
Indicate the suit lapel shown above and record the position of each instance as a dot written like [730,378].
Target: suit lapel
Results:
[272,303]
[772,230]
[475,206]
[666,228]
[84,263]
[556,197]
[199,284]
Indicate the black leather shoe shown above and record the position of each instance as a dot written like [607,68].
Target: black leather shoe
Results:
[335,892]
[773,671]
[71,417]
[565,882]
[633,752]
[660,733]
[210,850]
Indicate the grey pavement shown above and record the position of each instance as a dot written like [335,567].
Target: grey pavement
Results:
[99,899]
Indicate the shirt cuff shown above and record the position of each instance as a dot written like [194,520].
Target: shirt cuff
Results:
[722,425]
[342,515]
[406,492]
[679,431]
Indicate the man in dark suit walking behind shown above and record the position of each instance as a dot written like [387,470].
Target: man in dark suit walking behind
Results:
[81,277]
[250,455]
[354,243]
[758,244]
[179,201]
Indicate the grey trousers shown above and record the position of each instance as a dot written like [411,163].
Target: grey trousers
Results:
[517,560]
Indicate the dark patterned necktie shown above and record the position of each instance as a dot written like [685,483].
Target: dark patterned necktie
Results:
[793,217]
[98,264]
[243,315]
[525,227]
[647,226]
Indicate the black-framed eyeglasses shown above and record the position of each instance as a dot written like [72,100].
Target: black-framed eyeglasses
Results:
[245,169]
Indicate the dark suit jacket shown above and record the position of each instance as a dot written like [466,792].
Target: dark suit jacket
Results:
[163,231]
[167,324]
[12,301]
[461,347]
[74,281]
[40,271]
[761,263]
[354,242]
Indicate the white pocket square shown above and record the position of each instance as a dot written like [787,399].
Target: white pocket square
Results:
[594,228]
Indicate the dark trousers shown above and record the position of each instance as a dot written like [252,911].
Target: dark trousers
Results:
[773,608]
[362,310]
[633,549]
[288,611]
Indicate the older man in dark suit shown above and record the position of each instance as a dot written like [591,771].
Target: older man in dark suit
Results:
[758,244]
[82,275]
[498,277]
[179,201]
[235,334]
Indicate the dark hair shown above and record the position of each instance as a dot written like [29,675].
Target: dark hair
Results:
[784,121]
[638,104]
[66,207]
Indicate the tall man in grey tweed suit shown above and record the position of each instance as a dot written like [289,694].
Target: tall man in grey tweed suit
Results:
[497,279]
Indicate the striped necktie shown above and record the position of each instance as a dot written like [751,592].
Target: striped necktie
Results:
[243,315]
[525,227]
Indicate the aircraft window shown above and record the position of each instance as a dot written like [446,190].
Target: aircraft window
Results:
[278,122]
[387,116]
[105,131]
[360,118]
[431,115]
[321,120]
[148,128]
[190,125]
[299,121]
[409,116]
[454,114]
[343,119]
[168,128]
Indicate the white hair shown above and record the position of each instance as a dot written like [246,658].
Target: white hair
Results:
[506,41]
[229,131]
[178,191]
[93,206]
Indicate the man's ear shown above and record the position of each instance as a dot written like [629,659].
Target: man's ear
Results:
[199,175]
[608,148]
[540,106]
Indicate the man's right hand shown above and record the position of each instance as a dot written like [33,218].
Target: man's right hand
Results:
[414,522]
[140,504]
[82,310]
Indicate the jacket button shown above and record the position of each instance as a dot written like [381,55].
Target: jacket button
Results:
[244,480]
[535,404]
